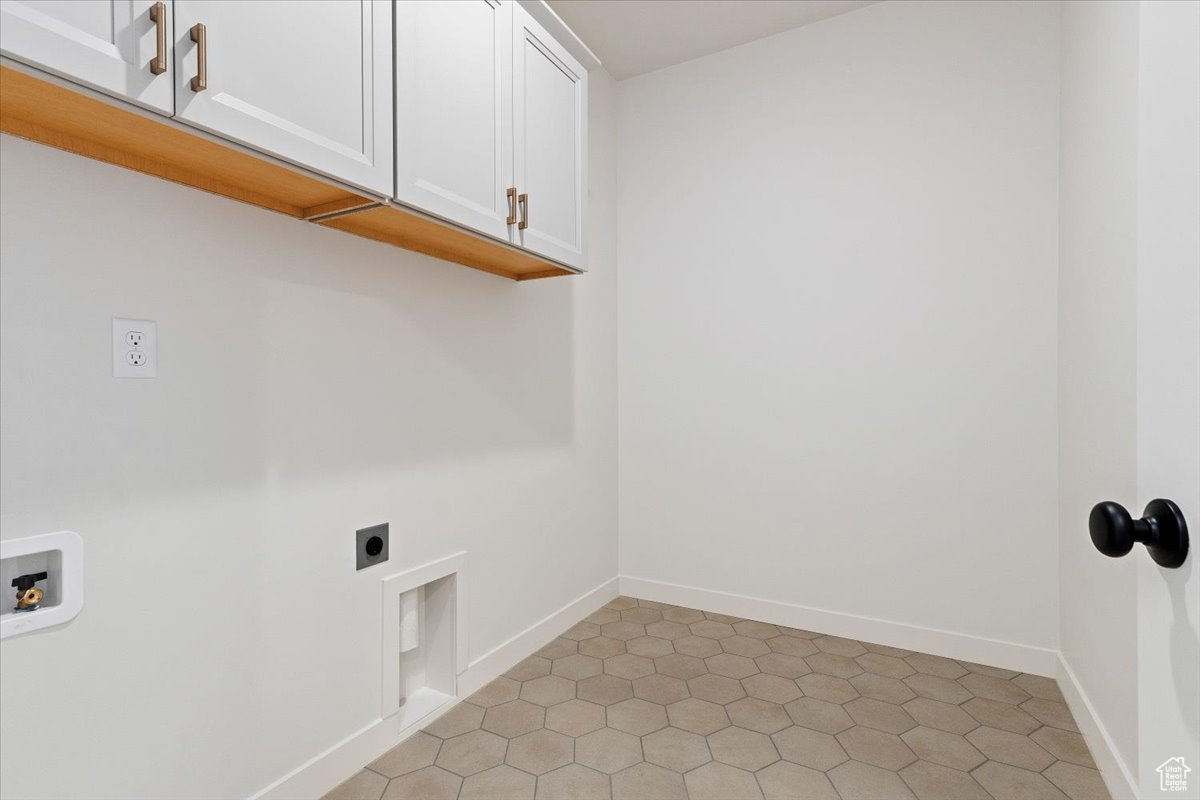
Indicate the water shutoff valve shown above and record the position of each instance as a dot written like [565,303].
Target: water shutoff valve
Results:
[29,596]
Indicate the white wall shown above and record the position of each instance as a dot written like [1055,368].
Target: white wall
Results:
[310,383]
[838,317]
[1097,353]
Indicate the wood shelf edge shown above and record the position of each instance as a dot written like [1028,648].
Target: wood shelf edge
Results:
[347,205]
[53,112]
[88,149]
[402,227]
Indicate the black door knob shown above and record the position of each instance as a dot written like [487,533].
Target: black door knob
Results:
[1162,529]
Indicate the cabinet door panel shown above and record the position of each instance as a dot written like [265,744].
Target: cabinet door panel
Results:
[454,110]
[309,82]
[550,142]
[104,44]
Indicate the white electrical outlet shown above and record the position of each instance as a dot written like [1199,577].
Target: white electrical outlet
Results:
[135,348]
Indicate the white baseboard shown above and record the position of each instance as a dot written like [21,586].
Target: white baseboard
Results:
[1117,777]
[322,773]
[1009,655]
[497,661]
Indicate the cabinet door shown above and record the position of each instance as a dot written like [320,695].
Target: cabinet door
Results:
[309,82]
[105,44]
[454,110]
[549,142]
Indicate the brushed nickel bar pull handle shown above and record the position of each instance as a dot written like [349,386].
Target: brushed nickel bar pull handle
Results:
[158,14]
[523,202]
[512,205]
[200,37]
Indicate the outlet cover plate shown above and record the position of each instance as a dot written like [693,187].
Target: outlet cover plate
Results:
[135,348]
[363,558]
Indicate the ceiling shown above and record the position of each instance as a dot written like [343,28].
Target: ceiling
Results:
[632,37]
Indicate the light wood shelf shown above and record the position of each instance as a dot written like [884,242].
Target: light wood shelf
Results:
[392,225]
[76,121]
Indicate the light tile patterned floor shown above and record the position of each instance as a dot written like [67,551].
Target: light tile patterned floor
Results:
[645,701]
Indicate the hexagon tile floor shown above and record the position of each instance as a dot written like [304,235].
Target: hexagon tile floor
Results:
[645,701]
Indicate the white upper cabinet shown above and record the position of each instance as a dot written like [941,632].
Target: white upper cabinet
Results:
[549,143]
[472,111]
[454,110]
[309,82]
[114,46]
[490,110]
